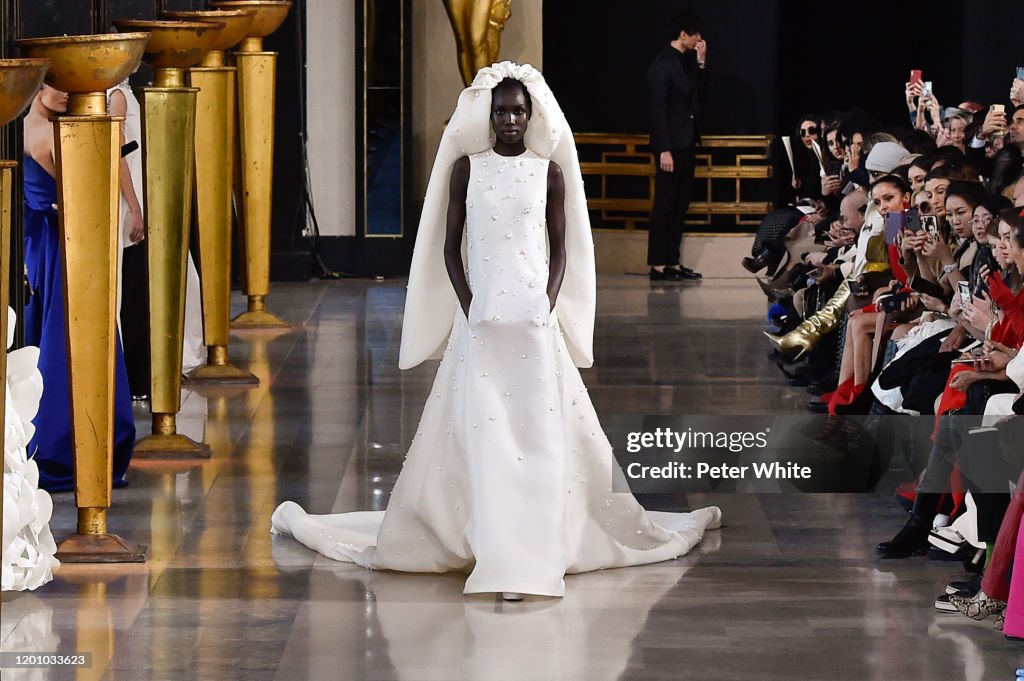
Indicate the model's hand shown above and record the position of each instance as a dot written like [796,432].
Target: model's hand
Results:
[137,226]
[666,162]
[796,183]
[702,51]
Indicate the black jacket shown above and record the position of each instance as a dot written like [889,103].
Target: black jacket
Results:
[673,85]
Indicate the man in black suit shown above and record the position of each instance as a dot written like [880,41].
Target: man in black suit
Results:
[672,81]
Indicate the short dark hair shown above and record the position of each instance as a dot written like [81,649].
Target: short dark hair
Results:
[512,82]
[685,21]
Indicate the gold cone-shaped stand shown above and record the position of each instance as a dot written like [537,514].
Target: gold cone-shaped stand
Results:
[87,146]
[256,87]
[19,80]
[214,147]
[169,132]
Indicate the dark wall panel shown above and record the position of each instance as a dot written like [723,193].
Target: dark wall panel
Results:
[842,60]
[41,18]
[993,34]
[596,54]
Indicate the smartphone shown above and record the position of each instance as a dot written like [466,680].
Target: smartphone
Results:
[913,220]
[922,285]
[894,222]
[916,76]
[927,88]
[833,169]
[1020,72]
[930,224]
[965,292]
[892,303]
[963,360]
[998,108]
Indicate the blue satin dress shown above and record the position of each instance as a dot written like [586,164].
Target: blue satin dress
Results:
[44,327]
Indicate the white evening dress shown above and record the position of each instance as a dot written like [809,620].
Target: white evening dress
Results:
[509,474]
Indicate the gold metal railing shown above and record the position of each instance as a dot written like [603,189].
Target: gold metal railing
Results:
[732,179]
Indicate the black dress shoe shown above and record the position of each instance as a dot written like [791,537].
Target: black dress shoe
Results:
[819,388]
[667,274]
[817,407]
[967,587]
[687,273]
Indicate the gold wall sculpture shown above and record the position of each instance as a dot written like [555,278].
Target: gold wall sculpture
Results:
[478,25]
[732,178]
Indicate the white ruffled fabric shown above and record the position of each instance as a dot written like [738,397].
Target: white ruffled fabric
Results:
[28,546]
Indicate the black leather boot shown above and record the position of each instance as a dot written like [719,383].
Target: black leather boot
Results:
[756,263]
[912,540]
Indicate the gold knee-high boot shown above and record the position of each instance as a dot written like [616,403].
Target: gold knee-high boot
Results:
[803,338]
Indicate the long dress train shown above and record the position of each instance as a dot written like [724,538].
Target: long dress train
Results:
[509,475]
[44,327]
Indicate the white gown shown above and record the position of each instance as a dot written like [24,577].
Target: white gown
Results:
[509,474]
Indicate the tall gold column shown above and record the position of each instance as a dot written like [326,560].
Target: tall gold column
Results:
[256,86]
[214,150]
[19,81]
[87,146]
[169,133]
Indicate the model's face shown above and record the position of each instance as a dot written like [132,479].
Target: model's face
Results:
[887,198]
[808,133]
[53,99]
[1017,127]
[509,115]
[959,214]
[936,189]
[834,146]
[916,176]
[979,224]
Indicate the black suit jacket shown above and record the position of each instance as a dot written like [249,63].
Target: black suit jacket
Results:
[673,86]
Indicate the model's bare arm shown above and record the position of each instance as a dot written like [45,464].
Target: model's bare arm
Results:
[455,224]
[556,231]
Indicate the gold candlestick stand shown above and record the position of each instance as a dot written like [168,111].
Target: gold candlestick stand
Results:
[169,133]
[256,81]
[87,146]
[19,81]
[214,152]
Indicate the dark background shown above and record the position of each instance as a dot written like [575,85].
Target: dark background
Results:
[771,61]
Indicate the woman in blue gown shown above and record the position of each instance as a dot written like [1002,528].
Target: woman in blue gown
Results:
[44,312]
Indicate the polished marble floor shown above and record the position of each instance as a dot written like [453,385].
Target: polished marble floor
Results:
[788,590]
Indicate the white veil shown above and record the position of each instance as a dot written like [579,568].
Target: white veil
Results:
[431,303]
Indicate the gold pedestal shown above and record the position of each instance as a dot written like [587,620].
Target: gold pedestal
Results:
[256,80]
[87,152]
[214,146]
[256,91]
[19,81]
[166,443]
[169,127]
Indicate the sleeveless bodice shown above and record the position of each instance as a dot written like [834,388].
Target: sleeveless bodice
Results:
[506,234]
[40,188]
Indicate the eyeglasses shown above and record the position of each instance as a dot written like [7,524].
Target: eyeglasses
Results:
[981,220]
[807,132]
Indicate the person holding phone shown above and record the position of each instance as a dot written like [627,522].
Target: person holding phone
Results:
[674,81]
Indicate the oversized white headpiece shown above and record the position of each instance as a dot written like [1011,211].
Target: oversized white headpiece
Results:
[431,303]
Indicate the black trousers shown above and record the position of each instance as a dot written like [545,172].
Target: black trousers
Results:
[671,203]
[135,316]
